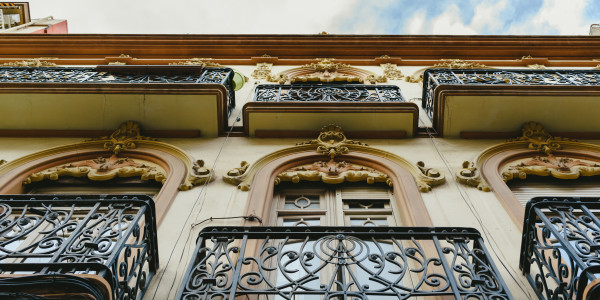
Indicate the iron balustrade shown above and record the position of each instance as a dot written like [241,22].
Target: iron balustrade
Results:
[223,76]
[560,250]
[327,93]
[113,237]
[341,263]
[433,78]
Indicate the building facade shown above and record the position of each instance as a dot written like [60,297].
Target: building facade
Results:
[299,167]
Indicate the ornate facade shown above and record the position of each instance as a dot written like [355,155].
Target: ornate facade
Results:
[238,141]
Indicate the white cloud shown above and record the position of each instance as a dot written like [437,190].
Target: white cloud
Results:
[556,16]
[416,24]
[449,22]
[488,15]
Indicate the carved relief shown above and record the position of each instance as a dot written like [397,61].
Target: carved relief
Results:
[206,62]
[333,172]
[33,62]
[262,71]
[235,176]
[536,66]
[429,177]
[391,72]
[332,141]
[558,167]
[414,79]
[459,64]
[326,70]
[539,139]
[470,175]
[124,137]
[101,169]
[199,175]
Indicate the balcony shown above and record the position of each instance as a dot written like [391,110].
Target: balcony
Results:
[341,263]
[63,246]
[560,251]
[376,111]
[183,100]
[494,103]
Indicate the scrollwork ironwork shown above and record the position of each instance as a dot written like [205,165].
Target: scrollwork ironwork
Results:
[332,262]
[113,237]
[328,93]
[436,77]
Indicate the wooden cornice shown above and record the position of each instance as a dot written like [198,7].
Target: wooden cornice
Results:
[244,47]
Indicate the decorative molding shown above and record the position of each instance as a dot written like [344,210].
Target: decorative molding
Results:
[459,64]
[32,62]
[470,175]
[391,72]
[333,143]
[536,66]
[557,167]
[101,169]
[235,176]
[429,177]
[262,71]
[198,175]
[539,139]
[333,172]
[414,79]
[206,62]
[124,137]
[326,70]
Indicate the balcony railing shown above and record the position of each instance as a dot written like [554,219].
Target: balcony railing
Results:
[436,77]
[328,93]
[113,238]
[341,263]
[560,251]
[104,74]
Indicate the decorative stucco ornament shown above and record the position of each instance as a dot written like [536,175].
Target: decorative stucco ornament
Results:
[391,72]
[326,70]
[206,62]
[262,71]
[557,167]
[32,62]
[470,175]
[539,139]
[333,172]
[459,64]
[124,137]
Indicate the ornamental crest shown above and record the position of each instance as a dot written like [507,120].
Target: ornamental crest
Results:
[539,139]
[332,141]
[557,167]
[124,137]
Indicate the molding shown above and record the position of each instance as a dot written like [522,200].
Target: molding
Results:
[32,62]
[204,62]
[333,143]
[459,64]
[391,71]
[326,70]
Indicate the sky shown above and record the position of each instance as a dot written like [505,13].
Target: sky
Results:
[455,17]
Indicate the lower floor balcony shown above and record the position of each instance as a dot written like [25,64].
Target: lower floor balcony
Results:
[67,247]
[341,263]
[560,252]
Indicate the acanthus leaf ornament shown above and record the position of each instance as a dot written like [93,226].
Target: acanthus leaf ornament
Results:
[124,137]
[332,141]
[557,167]
[199,175]
[333,172]
[235,176]
[470,175]
[429,177]
[459,64]
[326,70]
[539,139]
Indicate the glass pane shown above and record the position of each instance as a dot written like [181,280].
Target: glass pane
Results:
[368,222]
[294,222]
[302,202]
[366,204]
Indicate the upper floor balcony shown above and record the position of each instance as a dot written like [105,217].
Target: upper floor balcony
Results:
[341,263]
[560,251]
[168,100]
[91,247]
[362,109]
[496,102]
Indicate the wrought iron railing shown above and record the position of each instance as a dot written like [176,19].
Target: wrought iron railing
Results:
[560,251]
[223,76]
[327,93]
[113,237]
[341,263]
[436,77]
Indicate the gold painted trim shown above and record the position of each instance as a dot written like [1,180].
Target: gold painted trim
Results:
[326,70]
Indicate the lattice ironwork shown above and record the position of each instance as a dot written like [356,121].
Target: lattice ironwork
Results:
[560,251]
[88,75]
[433,78]
[113,237]
[327,93]
[341,263]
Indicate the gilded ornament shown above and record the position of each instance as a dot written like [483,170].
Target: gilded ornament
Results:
[199,175]
[536,67]
[414,78]
[470,175]
[557,167]
[539,139]
[332,172]
[459,64]
[124,137]
[33,62]
[206,62]
[124,56]
[429,177]
[385,56]
[390,71]
[262,71]
[101,169]
[332,141]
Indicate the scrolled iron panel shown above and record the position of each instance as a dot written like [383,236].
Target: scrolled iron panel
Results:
[328,93]
[560,251]
[341,263]
[113,237]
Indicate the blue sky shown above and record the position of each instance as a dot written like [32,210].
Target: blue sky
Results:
[513,17]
